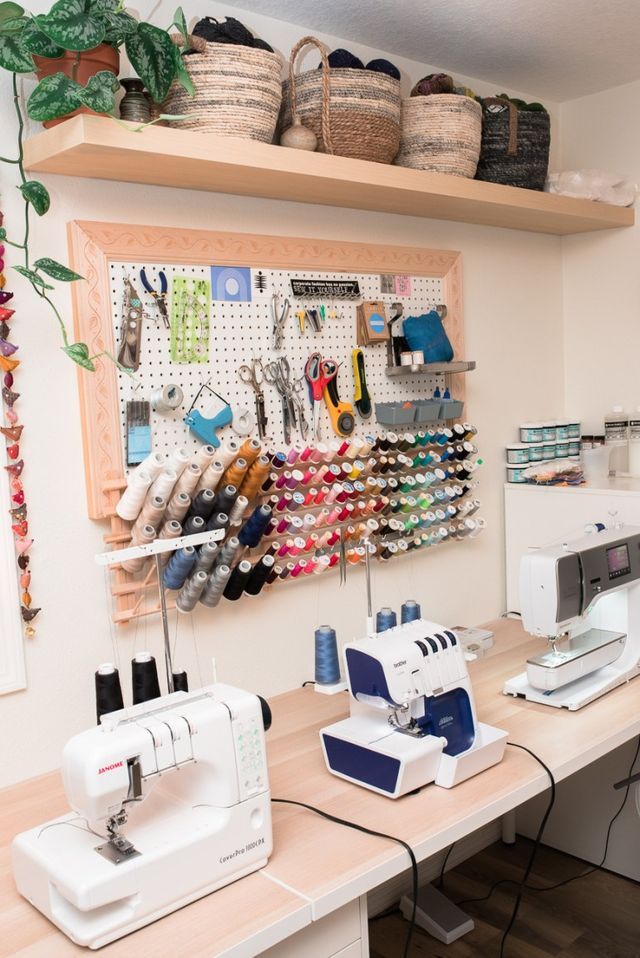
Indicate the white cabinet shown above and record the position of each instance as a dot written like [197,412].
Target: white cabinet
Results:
[342,934]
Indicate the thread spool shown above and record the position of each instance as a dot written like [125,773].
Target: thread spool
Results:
[254,527]
[206,557]
[410,611]
[204,457]
[178,507]
[178,461]
[179,567]
[327,665]
[211,477]
[108,690]
[188,481]
[250,450]
[203,504]
[133,497]
[191,591]
[259,575]
[164,483]
[238,510]
[140,537]
[152,465]
[166,399]
[215,586]
[144,678]
[238,581]
[193,525]
[275,573]
[227,452]
[180,681]
[235,473]
[170,530]
[386,618]
[229,552]
[220,520]
[225,499]
[151,514]
[256,476]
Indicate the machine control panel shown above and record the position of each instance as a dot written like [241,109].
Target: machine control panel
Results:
[250,754]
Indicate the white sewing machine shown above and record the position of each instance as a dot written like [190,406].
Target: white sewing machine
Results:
[583,597]
[170,801]
[412,717]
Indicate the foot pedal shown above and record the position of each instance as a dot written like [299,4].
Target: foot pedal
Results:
[437,915]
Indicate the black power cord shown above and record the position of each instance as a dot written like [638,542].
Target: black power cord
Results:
[371,831]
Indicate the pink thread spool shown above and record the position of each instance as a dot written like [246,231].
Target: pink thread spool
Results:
[333,537]
[322,495]
[309,475]
[310,496]
[306,453]
[283,525]
[309,569]
[281,481]
[284,502]
[333,559]
[299,567]
[285,548]
[312,542]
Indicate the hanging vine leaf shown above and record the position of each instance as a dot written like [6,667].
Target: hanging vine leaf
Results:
[151,54]
[73,24]
[13,26]
[100,92]
[10,11]
[118,26]
[36,194]
[14,57]
[32,277]
[56,270]
[79,352]
[182,75]
[180,22]
[54,96]
[35,41]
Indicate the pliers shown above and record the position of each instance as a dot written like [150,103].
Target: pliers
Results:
[160,297]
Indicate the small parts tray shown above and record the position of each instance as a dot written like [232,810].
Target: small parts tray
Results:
[420,411]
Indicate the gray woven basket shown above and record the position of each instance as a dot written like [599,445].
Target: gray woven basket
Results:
[238,91]
[441,133]
[515,145]
[353,113]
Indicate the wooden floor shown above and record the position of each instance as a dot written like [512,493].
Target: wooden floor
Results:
[595,917]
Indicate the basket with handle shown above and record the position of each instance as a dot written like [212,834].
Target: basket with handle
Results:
[515,145]
[441,133]
[238,90]
[353,113]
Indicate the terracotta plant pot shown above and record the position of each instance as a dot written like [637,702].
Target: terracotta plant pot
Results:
[90,62]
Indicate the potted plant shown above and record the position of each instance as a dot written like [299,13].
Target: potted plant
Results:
[73,50]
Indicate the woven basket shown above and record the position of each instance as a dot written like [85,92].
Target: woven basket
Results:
[515,145]
[238,90]
[353,113]
[441,133]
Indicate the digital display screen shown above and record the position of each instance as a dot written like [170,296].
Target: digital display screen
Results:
[618,561]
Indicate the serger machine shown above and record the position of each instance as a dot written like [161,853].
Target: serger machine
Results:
[583,597]
[412,718]
[170,801]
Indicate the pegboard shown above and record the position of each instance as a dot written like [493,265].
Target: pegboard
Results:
[242,331]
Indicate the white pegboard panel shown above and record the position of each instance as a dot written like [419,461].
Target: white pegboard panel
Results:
[241,331]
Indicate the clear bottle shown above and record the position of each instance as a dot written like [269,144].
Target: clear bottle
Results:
[634,443]
[616,437]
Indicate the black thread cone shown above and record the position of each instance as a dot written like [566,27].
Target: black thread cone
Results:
[180,682]
[144,679]
[108,691]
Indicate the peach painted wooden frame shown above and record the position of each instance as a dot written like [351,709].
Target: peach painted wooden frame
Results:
[93,246]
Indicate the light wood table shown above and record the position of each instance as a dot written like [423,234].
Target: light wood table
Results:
[318,867]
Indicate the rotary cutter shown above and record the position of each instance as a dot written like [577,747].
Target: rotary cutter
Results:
[361,397]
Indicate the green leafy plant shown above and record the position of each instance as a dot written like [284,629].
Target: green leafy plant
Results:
[77,26]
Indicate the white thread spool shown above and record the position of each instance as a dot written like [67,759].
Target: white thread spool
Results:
[178,507]
[140,537]
[151,513]
[211,478]
[152,465]
[238,511]
[204,457]
[166,399]
[188,481]
[170,530]
[134,495]
[178,461]
[163,485]
[228,451]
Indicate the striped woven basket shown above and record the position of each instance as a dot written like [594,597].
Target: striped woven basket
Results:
[353,113]
[515,145]
[238,90]
[441,133]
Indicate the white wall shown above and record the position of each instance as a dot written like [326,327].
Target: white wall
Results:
[512,285]
[601,275]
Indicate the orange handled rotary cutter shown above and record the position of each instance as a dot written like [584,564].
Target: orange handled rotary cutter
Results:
[321,376]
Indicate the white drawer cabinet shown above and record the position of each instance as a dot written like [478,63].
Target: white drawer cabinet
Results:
[342,934]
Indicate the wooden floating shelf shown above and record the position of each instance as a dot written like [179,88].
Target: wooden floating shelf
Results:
[98,148]
[457,366]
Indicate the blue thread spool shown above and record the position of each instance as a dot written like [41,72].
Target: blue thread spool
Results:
[327,670]
[254,527]
[179,567]
[386,618]
[410,611]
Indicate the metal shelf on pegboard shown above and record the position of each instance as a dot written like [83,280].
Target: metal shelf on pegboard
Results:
[458,366]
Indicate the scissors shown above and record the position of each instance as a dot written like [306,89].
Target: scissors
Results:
[279,319]
[319,373]
[160,297]
[278,373]
[254,376]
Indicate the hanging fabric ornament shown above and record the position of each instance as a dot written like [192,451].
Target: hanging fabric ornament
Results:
[26,599]
[13,451]
[5,297]
[21,528]
[18,498]
[4,329]
[7,348]
[6,314]
[29,615]
[16,485]
[25,580]
[22,544]
[19,514]
[23,561]
[7,379]
[7,363]
[12,433]
[11,415]
[16,468]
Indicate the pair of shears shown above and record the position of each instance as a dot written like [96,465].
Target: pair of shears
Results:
[319,373]
[159,296]
[254,376]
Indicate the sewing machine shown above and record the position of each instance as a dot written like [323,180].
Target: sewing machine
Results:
[583,597]
[170,801]
[412,718]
